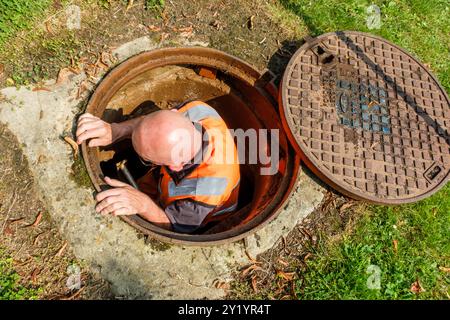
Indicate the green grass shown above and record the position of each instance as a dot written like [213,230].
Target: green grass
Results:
[421,27]
[339,270]
[10,288]
[154,4]
[422,231]
[17,15]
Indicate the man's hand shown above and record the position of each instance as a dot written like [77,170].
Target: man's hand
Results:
[122,200]
[126,200]
[94,128]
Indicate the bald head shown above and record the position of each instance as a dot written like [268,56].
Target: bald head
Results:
[166,138]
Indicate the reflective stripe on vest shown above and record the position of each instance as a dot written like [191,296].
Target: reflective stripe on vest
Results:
[200,112]
[205,186]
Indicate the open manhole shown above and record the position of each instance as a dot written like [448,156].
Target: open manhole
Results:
[367,117]
[164,78]
[363,114]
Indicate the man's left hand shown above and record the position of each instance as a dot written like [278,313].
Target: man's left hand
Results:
[123,199]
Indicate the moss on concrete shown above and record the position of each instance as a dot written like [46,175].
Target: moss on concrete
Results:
[79,174]
[157,245]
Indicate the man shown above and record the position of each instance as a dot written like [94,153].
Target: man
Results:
[199,175]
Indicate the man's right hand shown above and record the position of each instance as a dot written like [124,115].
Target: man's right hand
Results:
[98,131]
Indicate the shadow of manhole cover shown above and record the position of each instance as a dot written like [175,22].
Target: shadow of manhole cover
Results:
[369,119]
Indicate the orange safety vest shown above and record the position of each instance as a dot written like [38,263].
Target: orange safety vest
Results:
[215,182]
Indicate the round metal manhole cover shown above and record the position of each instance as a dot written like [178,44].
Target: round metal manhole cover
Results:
[369,119]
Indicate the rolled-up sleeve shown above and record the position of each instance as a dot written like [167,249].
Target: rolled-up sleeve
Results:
[186,216]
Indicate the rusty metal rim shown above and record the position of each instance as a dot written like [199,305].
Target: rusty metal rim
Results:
[327,178]
[197,56]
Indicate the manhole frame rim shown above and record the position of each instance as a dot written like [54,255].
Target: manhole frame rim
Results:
[252,76]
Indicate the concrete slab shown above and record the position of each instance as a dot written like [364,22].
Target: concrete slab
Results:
[135,269]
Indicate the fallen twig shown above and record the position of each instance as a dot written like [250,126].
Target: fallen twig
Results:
[60,251]
[254,284]
[250,269]
[252,260]
[37,220]
[36,239]
[42,89]
[73,144]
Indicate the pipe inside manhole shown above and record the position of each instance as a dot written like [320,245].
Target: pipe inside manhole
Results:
[164,78]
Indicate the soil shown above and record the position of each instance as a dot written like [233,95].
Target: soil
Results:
[40,255]
[274,274]
[225,25]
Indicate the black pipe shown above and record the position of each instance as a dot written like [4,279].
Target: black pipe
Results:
[122,167]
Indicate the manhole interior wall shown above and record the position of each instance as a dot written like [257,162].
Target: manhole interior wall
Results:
[367,117]
[162,79]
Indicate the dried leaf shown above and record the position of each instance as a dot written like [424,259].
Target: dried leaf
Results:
[252,268]
[250,22]
[186,34]
[252,260]
[346,206]
[165,18]
[373,103]
[293,290]
[36,239]
[153,28]
[308,255]
[281,261]
[105,58]
[215,24]
[286,275]
[60,251]
[306,232]
[42,89]
[76,70]
[48,27]
[73,144]
[444,269]
[25,262]
[82,88]
[221,285]
[37,220]
[254,284]
[34,275]
[186,29]
[100,64]
[395,243]
[2,69]
[7,230]
[416,287]
[130,4]
[163,37]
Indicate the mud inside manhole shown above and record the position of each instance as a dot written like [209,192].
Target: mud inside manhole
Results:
[133,90]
